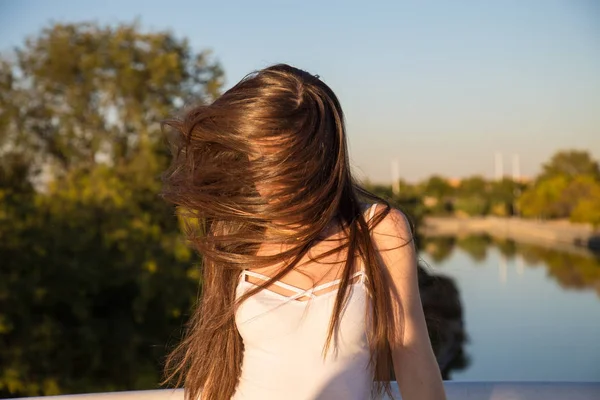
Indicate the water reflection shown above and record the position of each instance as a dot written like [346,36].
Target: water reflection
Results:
[574,269]
[444,316]
[531,313]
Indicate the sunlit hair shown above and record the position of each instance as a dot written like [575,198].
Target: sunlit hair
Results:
[267,162]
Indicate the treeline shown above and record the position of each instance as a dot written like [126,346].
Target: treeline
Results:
[95,276]
[567,187]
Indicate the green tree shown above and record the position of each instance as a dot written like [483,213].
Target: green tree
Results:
[504,191]
[406,200]
[587,208]
[407,190]
[542,200]
[580,188]
[571,163]
[96,277]
[471,205]
[94,284]
[436,193]
[472,196]
[438,187]
[473,186]
[384,191]
[503,195]
[85,93]
[566,188]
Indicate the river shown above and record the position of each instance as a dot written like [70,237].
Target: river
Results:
[529,313]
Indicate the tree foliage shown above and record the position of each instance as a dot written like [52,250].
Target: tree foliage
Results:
[472,205]
[95,275]
[587,208]
[569,187]
[473,186]
[81,93]
[437,186]
[541,200]
[571,163]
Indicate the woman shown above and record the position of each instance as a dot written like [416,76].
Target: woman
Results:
[307,292]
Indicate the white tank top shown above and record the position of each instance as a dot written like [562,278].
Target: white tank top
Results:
[284,337]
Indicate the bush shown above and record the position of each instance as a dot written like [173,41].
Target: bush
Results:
[471,205]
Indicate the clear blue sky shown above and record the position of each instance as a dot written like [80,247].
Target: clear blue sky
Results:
[439,85]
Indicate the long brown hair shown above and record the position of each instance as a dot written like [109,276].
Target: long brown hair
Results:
[284,128]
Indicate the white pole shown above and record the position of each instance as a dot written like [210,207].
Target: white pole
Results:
[520,265]
[516,167]
[499,166]
[502,269]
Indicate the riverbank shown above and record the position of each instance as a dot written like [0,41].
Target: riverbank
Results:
[546,233]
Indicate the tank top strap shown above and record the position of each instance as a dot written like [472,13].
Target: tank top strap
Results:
[372,211]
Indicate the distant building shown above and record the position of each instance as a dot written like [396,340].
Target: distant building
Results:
[454,182]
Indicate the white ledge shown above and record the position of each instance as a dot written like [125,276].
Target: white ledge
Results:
[455,391]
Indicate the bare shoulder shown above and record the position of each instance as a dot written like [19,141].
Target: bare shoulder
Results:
[394,242]
[393,230]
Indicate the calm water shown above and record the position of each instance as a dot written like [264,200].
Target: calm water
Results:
[529,313]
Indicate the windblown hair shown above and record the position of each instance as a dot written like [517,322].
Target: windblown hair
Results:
[283,128]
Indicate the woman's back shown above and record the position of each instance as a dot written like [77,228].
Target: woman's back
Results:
[267,163]
[284,329]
